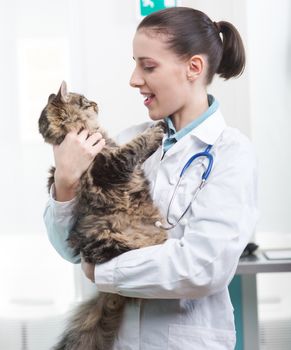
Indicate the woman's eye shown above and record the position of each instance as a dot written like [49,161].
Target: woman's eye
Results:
[149,68]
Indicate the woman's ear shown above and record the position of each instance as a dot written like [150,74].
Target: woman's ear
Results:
[195,67]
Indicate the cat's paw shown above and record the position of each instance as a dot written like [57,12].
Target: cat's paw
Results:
[162,125]
[158,131]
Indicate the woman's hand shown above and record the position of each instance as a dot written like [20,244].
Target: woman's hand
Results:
[72,158]
[88,269]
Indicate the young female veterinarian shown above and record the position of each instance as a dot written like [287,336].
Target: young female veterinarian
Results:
[182,283]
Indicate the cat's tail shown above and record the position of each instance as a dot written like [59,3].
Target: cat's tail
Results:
[95,324]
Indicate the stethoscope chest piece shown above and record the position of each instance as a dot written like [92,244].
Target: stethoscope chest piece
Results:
[184,221]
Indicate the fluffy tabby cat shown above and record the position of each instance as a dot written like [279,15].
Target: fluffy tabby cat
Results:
[114,211]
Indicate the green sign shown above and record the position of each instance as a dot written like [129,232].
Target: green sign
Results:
[149,6]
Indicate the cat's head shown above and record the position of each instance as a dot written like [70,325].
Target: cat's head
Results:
[64,112]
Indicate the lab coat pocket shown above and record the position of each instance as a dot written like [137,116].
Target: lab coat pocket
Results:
[182,337]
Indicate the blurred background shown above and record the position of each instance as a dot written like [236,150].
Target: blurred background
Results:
[89,44]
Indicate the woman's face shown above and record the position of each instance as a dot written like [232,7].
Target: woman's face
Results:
[160,75]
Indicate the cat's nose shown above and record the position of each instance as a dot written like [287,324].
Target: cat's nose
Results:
[95,106]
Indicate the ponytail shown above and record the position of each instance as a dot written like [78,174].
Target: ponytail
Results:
[232,63]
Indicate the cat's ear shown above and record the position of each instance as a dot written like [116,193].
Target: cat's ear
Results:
[63,93]
[51,97]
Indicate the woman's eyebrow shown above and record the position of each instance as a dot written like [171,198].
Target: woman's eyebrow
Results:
[143,58]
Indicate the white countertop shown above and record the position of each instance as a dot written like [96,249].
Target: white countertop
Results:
[258,263]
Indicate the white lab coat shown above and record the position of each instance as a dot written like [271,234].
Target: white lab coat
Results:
[183,283]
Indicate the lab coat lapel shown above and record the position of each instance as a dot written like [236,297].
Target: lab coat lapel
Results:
[207,132]
[177,156]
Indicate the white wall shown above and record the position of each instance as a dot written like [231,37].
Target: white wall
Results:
[24,157]
[269,37]
[36,284]
[106,30]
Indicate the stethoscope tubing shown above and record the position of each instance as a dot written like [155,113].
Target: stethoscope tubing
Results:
[198,155]
[204,178]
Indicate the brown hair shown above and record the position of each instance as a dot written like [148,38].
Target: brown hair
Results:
[190,32]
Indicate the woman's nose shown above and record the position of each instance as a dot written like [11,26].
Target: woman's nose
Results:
[136,80]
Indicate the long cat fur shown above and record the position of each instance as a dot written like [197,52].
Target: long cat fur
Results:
[115,212]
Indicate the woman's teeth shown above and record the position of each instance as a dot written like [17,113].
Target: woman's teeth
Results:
[148,99]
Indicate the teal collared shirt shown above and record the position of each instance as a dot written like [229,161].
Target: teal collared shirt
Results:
[174,136]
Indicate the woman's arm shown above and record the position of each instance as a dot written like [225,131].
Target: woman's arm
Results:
[72,157]
[59,220]
[204,261]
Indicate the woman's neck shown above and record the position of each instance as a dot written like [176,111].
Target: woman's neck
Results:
[197,106]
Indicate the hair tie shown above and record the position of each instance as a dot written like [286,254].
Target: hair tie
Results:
[217,26]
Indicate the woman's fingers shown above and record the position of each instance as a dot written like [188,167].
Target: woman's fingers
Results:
[98,146]
[83,138]
[95,143]
[83,135]
[88,269]
[94,138]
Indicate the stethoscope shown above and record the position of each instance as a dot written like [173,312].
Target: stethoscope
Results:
[204,178]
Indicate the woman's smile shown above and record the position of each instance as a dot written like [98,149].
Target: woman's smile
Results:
[148,99]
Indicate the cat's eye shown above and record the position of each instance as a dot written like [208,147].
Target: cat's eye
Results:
[81,98]
[84,103]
